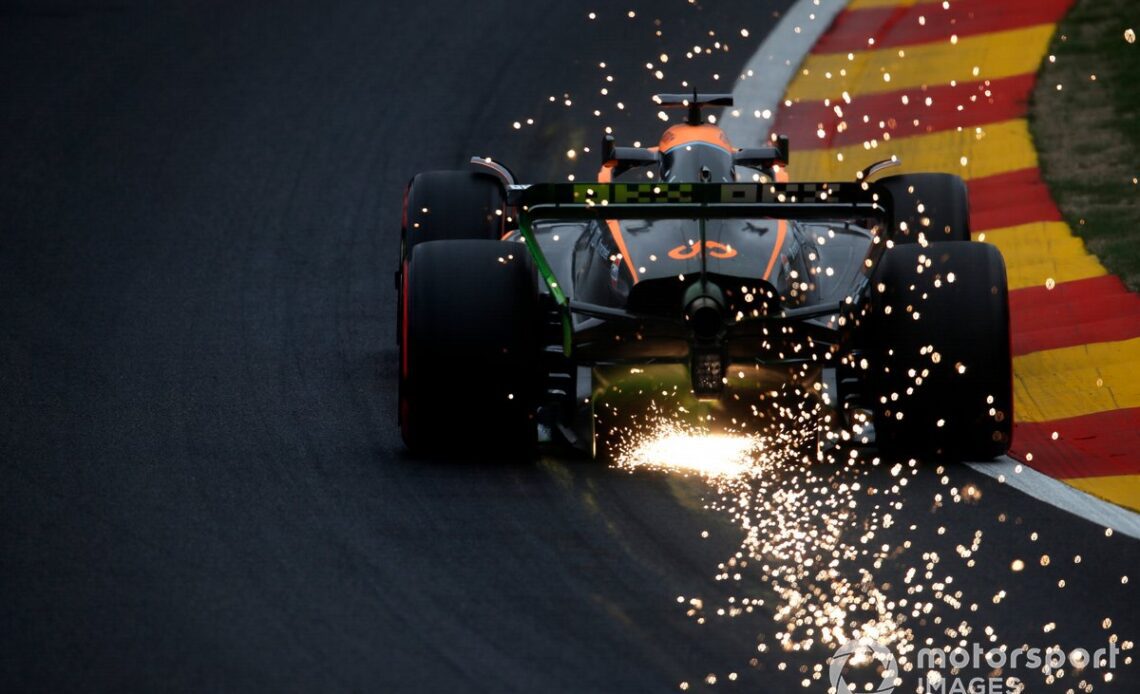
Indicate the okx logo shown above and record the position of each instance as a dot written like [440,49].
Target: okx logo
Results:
[863,653]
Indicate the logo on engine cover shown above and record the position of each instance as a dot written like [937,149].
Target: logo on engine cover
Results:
[716,249]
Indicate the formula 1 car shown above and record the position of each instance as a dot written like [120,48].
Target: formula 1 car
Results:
[694,275]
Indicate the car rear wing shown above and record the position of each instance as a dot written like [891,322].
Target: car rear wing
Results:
[699,200]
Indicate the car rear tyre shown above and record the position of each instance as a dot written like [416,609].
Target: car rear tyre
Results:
[469,355]
[935,205]
[452,206]
[938,334]
[448,206]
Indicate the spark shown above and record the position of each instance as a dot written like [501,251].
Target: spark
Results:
[711,455]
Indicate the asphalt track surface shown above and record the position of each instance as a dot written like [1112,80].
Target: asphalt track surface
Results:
[203,484]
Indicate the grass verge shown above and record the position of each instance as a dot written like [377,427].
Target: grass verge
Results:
[1085,120]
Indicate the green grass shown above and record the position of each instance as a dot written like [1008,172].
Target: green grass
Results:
[1088,132]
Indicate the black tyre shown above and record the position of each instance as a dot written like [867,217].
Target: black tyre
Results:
[933,204]
[451,206]
[448,206]
[469,354]
[941,376]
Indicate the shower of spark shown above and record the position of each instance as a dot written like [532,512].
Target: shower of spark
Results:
[809,556]
[831,546]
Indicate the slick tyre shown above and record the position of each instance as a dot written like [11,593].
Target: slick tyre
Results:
[940,368]
[452,206]
[935,205]
[448,206]
[469,356]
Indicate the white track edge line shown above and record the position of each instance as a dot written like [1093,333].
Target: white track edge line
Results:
[1065,497]
[773,66]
